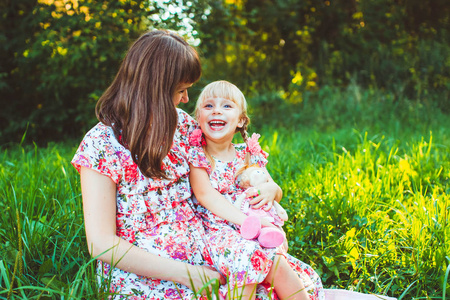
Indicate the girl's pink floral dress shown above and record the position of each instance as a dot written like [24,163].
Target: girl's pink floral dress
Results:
[242,261]
[155,215]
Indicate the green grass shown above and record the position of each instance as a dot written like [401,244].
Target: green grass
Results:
[42,235]
[369,208]
[368,212]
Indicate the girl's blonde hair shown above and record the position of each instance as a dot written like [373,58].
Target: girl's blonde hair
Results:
[227,90]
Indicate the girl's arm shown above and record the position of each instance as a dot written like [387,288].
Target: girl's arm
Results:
[214,201]
[268,193]
[99,206]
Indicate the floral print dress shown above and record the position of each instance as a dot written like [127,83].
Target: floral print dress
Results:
[155,215]
[242,261]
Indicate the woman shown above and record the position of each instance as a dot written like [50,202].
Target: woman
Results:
[134,176]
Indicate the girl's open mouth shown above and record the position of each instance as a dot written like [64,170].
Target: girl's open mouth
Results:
[217,125]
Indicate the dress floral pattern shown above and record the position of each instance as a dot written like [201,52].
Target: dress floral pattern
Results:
[242,261]
[153,214]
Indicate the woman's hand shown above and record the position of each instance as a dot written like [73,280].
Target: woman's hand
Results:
[198,276]
[264,195]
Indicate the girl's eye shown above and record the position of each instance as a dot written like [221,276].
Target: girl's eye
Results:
[208,105]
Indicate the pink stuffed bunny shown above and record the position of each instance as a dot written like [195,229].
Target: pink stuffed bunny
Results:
[268,237]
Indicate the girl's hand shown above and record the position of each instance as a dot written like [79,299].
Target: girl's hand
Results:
[286,245]
[266,223]
[264,195]
[285,242]
[198,276]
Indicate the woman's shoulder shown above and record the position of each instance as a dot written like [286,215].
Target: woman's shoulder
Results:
[99,150]
[184,117]
[99,130]
[101,134]
[186,124]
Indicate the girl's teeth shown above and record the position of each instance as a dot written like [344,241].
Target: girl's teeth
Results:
[215,124]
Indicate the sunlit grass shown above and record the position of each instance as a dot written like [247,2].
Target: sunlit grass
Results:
[368,211]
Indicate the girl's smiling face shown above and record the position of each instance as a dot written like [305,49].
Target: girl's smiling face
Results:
[219,118]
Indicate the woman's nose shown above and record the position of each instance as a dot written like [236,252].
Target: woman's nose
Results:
[185,97]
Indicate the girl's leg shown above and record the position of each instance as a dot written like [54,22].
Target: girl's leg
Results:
[285,280]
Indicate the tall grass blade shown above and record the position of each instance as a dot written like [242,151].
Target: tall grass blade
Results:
[444,287]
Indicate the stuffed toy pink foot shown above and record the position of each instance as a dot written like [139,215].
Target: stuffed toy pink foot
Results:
[268,237]
[251,227]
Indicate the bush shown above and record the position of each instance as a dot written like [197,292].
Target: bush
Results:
[332,108]
[56,59]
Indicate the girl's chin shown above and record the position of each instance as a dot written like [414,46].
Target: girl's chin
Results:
[215,136]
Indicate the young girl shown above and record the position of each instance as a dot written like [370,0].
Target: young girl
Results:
[221,112]
[134,176]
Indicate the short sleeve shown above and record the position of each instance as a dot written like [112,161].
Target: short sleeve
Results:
[97,153]
[257,155]
[197,158]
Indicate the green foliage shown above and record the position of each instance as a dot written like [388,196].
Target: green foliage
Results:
[57,58]
[400,47]
[361,148]
[42,241]
[329,109]
[368,213]
[368,205]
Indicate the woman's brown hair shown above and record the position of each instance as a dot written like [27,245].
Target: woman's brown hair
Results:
[139,105]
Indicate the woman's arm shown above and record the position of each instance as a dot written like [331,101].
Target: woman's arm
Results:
[99,206]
